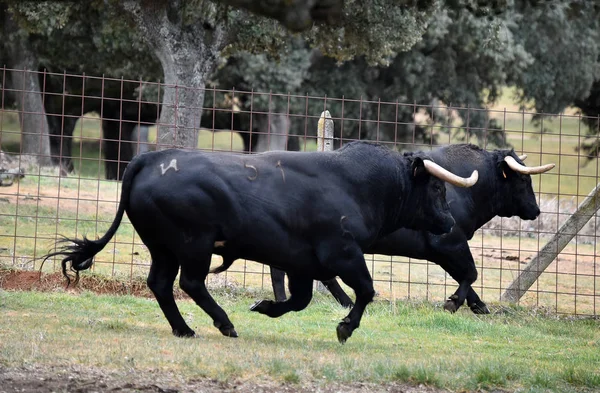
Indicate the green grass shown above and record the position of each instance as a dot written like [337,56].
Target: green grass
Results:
[404,342]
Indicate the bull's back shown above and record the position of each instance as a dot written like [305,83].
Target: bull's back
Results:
[270,201]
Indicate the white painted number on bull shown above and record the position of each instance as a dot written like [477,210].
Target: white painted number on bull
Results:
[172,164]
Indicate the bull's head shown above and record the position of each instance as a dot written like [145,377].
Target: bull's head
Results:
[432,212]
[518,198]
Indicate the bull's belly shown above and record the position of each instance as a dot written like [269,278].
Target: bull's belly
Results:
[290,255]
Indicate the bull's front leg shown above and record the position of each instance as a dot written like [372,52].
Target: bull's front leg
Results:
[475,303]
[338,293]
[459,264]
[348,262]
[457,299]
[300,297]
[364,295]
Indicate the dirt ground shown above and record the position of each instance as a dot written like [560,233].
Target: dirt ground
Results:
[27,280]
[83,380]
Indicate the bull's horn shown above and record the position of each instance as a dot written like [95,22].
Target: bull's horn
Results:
[527,170]
[523,157]
[450,177]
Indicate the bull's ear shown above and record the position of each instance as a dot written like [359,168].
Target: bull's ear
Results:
[418,167]
[504,170]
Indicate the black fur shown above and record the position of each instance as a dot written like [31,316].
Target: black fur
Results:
[499,192]
[310,214]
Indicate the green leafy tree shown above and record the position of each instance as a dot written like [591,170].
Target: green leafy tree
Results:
[463,60]
[183,42]
[590,109]
[563,41]
[188,37]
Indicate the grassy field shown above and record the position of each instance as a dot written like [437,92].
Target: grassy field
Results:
[514,349]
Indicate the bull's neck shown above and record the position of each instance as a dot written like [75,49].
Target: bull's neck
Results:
[480,205]
[378,182]
[401,212]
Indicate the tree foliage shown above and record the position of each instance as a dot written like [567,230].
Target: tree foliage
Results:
[563,41]
[463,60]
[100,29]
[428,53]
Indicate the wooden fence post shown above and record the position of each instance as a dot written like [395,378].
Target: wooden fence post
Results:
[559,241]
[325,132]
[324,143]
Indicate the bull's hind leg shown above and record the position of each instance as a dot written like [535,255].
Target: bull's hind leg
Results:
[194,270]
[162,275]
[300,296]
[278,283]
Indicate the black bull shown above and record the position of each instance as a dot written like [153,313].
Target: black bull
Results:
[503,189]
[309,214]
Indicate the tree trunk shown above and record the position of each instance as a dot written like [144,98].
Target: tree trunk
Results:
[274,129]
[140,137]
[23,79]
[188,54]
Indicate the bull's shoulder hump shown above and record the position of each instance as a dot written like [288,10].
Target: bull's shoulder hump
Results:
[464,156]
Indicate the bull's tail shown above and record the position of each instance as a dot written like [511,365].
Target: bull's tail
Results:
[79,253]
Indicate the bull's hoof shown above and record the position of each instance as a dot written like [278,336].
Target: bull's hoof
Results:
[343,331]
[261,306]
[451,305]
[229,332]
[480,308]
[184,333]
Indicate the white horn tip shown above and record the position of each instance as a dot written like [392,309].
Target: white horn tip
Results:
[523,157]
[471,180]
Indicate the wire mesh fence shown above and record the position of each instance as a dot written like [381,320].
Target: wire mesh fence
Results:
[96,125]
